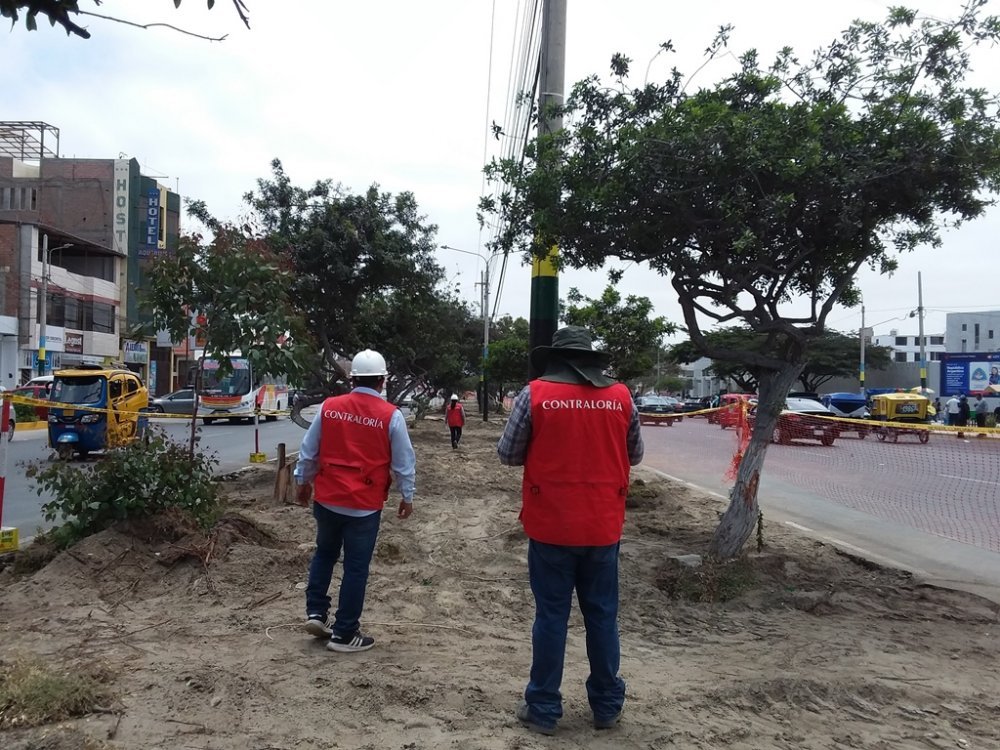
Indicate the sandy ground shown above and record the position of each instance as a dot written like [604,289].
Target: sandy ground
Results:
[811,649]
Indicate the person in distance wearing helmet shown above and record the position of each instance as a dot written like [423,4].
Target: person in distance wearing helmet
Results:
[455,417]
[347,459]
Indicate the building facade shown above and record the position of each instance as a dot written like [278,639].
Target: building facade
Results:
[906,347]
[92,226]
[973,332]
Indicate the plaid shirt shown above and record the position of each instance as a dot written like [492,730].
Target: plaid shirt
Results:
[513,445]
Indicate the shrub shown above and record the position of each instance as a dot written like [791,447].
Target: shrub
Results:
[34,693]
[141,479]
[25,413]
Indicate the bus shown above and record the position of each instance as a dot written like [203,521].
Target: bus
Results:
[237,395]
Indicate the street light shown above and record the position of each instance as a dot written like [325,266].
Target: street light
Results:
[485,301]
[44,301]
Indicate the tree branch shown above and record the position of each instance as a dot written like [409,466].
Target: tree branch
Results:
[148,26]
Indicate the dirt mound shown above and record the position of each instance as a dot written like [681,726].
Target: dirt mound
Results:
[811,649]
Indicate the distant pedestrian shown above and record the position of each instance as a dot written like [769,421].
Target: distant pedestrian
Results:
[964,410]
[937,409]
[981,410]
[455,417]
[953,408]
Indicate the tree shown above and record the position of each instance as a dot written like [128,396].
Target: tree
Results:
[365,277]
[837,355]
[61,12]
[773,186]
[241,290]
[624,329]
[507,365]
[830,355]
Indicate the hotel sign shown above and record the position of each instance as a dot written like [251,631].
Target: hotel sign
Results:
[119,229]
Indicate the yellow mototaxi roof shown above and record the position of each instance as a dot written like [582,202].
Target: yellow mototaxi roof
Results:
[90,373]
[902,397]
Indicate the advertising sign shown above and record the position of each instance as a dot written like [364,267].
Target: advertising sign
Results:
[969,372]
[153,218]
[119,231]
[74,343]
[136,352]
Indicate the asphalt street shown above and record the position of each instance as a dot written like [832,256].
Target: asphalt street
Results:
[933,509]
[231,444]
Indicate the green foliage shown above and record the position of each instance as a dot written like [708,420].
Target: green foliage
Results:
[59,11]
[241,287]
[507,366]
[142,479]
[830,355]
[622,328]
[25,413]
[366,277]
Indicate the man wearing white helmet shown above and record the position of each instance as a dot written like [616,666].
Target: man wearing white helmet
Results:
[350,453]
[455,417]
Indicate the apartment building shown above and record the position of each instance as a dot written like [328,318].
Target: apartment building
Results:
[92,226]
[906,347]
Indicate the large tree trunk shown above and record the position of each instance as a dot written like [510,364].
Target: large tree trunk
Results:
[738,521]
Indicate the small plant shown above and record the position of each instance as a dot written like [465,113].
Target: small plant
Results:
[33,693]
[141,479]
[25,413]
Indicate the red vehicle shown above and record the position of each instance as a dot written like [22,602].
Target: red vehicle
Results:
[802,419]
[730,405]
[36,391]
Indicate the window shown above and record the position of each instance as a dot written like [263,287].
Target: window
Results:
[131,385]
[937,340]
[900,356]
[935,356]
[991,333]
[78,314]
[965,327]
[965,344]
[115,389]
[901,341]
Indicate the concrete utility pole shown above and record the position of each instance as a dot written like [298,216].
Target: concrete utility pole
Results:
[43,298]
[920,318]
[544,315]
[861,335]
[486,339]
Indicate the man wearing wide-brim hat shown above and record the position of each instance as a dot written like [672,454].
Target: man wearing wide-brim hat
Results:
[576,432]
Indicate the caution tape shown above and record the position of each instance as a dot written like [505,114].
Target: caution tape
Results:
[16,398]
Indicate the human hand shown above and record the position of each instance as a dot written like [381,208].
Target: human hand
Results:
[405,509]
[304,494]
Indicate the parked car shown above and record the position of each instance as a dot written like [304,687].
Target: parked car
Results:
[801,419]
[694,404]
[657,410]
[40,392]
[178,402]
[730,405]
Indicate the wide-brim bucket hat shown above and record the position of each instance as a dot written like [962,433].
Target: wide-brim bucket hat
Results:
[573,342]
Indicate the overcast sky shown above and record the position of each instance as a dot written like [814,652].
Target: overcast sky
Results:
[397,92]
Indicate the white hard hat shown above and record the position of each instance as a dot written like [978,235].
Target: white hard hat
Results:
[368,363]
[454,397]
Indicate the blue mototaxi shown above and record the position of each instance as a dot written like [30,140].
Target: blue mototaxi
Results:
[848,406]
[93,409]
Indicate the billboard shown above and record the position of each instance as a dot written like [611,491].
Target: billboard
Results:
[969,372]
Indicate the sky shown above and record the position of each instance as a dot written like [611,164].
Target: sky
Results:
[402,93]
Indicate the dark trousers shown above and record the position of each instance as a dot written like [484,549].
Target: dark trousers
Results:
[456,435]
[555,571]
[356,535]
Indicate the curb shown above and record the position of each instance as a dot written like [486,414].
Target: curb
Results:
[28,426]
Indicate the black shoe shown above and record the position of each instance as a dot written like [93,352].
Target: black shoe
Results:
[524,716]
[318,625]
[608,723]
[348,644]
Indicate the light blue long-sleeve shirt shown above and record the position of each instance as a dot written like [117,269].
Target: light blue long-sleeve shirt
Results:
[403,463]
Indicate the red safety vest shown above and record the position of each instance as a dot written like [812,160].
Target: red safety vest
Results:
[354,452]
[455,417]
[577,468]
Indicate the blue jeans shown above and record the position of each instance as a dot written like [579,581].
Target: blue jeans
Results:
[555,571]
[356,535]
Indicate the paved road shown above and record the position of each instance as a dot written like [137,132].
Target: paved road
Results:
[933,509]
[232,444]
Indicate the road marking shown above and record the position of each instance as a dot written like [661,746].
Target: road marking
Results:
[968,479]
[867,554]
[799,526]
